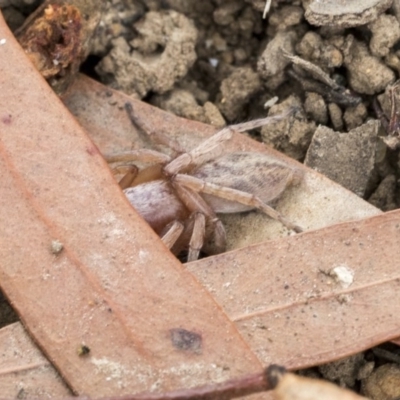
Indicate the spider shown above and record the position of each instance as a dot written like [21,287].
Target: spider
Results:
[180,197]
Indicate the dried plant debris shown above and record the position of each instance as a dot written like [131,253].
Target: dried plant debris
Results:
[321,83]
[56,38]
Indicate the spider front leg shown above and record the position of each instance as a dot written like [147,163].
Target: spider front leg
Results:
[214,146]
[158,138]
[200,186]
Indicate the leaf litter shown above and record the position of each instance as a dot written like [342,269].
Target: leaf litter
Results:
[223,14]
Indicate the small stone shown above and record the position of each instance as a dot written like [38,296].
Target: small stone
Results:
[385,33]
[180,102]
[367,74]
[213,115]
[236,91]
[384,196]
[225,14]
[183,103]
[286,17]
[355,116]
[315,107]
[383,383]
[272,60]
[346,158]
[292,135]
[343,372]
[336,116]
[365,370]
[56,247]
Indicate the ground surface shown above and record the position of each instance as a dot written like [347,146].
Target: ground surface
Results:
[220,62]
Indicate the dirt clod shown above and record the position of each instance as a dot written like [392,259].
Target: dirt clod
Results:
[367,73]
[314,48]
[182,102]
[293,135]
[315,106]
[236,91]
[155,60]
[272,60]
[385,33]
[336,116]
[355,116]
[384,195]
[343,372]
[353,167]
[383,383]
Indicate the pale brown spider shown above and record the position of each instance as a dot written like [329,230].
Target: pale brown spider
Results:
[180,197]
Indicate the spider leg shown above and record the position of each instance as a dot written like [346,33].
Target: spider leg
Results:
[196,204]
[155,137]
[172,235]
[143,155]
[206,151]
[198,185]
[129,176]
[132,176]
[198,235]
[214,146]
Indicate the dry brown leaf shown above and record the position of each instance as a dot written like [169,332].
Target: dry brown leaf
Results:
[114,287]
[315,297]
[26,373]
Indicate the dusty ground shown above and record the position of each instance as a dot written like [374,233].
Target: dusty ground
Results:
[220,62]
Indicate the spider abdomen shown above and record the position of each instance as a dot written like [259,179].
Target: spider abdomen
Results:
[253,173]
